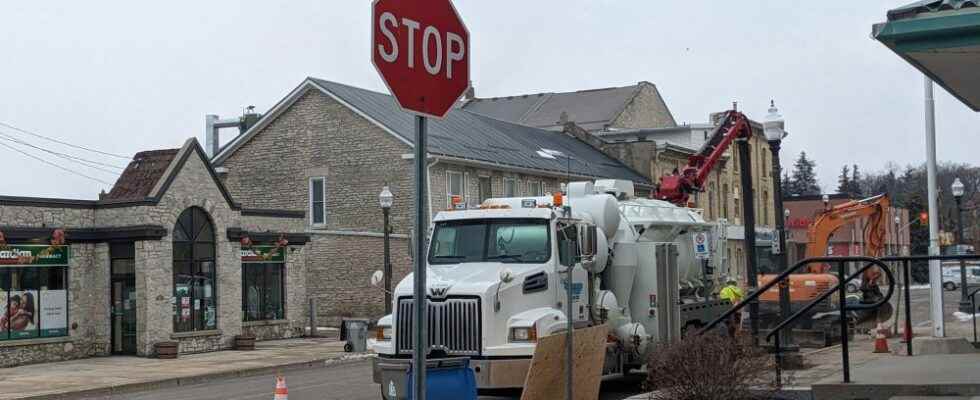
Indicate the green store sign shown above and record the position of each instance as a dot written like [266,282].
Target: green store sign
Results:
[33,255]
[264,254]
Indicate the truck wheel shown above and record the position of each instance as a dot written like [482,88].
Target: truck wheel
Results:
[949,286]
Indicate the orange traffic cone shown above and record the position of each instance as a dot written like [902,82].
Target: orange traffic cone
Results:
[881,342]
[281,392]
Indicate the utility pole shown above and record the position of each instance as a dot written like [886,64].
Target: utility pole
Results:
[748,209]
[935,269]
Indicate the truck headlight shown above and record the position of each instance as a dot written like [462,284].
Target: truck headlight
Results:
[382,333]
[524,334]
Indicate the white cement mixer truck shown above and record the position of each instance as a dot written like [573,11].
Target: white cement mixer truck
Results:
[496,281]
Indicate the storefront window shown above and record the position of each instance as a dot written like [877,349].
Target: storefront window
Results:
[195,306]
[33,294]
[263,283]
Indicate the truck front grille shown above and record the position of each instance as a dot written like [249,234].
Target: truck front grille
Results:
[453,326]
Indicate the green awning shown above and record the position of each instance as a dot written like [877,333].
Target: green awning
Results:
[941,38]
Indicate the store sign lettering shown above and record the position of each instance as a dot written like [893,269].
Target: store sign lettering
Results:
[28,255]
[263,254]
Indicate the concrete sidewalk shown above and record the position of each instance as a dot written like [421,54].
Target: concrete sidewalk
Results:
[102,376]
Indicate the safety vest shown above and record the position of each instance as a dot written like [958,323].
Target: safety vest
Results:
[731,293]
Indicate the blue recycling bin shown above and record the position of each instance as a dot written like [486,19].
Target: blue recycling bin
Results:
[446,379]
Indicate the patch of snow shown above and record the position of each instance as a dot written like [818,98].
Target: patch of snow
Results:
[919,287]
[964,317]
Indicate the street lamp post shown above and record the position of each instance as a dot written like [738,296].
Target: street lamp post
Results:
[386,199]
[774,128]
[958,190]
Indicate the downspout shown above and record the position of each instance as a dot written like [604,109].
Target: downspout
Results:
[428,187]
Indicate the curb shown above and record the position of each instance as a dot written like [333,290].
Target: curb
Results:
[196,379]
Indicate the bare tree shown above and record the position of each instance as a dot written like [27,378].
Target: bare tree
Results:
[709,367]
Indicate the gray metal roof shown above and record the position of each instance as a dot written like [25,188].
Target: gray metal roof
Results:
[466,135]
[929,6]
[589,109]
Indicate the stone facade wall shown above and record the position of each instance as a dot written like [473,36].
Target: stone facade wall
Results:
[646,110]
[439,174]
[89,273]
[356,158]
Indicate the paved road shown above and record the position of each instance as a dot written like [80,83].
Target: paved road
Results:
[353,381]
[348,382]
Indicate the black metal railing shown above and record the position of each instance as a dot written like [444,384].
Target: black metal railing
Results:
[906,262]
[840,288]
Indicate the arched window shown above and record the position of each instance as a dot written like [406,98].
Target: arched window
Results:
[194,275]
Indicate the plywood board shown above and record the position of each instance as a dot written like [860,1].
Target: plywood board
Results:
[546,377]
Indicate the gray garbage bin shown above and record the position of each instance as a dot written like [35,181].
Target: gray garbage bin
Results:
[355,332]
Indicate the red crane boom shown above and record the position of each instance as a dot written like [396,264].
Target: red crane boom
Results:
[678,188]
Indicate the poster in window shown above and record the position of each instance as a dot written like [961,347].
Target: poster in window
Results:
[54,313]
[185,314]
[3,314]
[209,317]
[21,315]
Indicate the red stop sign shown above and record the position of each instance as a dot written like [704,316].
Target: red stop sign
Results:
[421,49]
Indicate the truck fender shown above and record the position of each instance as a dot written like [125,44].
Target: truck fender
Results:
[546,320]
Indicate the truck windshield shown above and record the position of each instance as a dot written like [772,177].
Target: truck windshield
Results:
[503,240]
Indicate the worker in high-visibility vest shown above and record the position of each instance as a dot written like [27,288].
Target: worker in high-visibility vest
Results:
[734,294]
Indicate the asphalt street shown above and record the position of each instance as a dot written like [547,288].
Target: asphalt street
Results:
[353,381]
[348,382]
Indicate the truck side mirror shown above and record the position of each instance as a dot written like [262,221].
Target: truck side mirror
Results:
[568,246]
[587,240]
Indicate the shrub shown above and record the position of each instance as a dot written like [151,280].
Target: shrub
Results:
[710,367]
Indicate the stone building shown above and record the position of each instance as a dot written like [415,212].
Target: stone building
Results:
[595,110]
[634,125]
[160,258]
[330,148]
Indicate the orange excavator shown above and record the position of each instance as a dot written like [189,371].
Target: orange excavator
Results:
[819,278]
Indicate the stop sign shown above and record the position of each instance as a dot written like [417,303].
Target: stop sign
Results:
[421,49]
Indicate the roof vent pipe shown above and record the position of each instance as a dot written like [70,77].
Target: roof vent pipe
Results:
[211,139]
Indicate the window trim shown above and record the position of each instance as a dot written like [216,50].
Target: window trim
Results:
[195,265]
[323,193]
[267,268]
[479,187]
[540,187]
[449,186]
[514,192]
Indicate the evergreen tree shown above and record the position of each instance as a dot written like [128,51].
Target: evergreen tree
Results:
[844,180]
[804,178]
[787,185]
[855,184]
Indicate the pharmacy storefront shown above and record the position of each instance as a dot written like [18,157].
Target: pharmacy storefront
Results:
[166,260]
[33,295]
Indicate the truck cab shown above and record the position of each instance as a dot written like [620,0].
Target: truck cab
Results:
[497,279]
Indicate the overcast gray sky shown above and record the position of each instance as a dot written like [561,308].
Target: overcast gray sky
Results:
[128,76]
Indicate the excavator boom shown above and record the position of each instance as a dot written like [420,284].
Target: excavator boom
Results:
[819,233]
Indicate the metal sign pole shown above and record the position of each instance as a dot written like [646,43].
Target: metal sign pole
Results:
[569,364]
[421,223]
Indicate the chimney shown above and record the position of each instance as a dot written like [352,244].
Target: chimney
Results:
[563,118]
[211,138]
[248,119]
